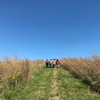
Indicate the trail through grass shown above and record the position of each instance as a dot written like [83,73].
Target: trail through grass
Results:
[54,89]
[52,84]
[37,89]
[71,88]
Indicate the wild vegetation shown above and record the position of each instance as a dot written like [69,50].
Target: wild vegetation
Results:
[87,69]
[31,80]
[14,71]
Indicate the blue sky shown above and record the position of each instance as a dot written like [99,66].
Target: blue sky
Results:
[40,29]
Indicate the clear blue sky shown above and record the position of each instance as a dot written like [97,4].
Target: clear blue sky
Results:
[40,29]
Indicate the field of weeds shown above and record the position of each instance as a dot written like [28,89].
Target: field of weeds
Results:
[31,80]
[13,71]
[86,69]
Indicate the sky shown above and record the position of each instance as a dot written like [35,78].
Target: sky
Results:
[41,29]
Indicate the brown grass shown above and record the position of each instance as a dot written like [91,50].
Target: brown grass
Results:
[12,68]
[85,68]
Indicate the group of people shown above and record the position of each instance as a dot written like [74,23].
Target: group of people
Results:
[52,63]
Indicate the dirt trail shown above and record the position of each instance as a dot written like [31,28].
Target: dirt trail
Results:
[54,90]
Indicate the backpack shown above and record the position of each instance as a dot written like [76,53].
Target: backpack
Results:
[57,62]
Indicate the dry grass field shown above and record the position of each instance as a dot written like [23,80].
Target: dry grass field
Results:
[14,70]
[87,69]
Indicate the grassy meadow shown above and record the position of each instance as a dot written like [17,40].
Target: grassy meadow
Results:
[74,79]
[86,69]
[14,72]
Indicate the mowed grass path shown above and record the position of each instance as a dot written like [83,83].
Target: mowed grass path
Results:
[53,84]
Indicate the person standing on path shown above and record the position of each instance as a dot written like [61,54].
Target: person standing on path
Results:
[46,63]
[51,63]
[54,62]
[57,63]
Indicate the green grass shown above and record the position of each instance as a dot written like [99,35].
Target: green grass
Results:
[71,88]
[37,89]
[40,87]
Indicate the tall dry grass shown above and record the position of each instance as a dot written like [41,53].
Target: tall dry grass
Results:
[87,69]
[14,70]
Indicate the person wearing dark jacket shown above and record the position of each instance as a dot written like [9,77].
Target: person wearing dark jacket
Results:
[46,63]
